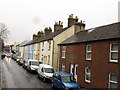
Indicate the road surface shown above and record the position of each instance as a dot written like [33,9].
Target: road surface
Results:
[15,76]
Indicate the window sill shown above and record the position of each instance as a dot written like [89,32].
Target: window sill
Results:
[63,57]
[87,81]
[87,59]
[113,61]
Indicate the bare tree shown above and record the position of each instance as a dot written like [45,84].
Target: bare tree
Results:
[4,32]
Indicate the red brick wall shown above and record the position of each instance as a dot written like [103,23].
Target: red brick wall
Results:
[99,65]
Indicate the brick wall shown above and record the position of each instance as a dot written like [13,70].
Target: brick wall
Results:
[99,64]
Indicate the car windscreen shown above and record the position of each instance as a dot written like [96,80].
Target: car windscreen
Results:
[49,70]
[20,59]
[35,63]
[68,79]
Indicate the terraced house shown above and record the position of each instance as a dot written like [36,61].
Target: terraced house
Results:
[93,56]
[49,49]
[45,43]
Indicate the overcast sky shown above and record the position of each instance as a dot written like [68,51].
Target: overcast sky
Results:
[26,17]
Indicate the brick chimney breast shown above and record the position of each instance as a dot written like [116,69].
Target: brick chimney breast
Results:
[47,30]
[58,26]
[34,36]
[40,34]
[71,20]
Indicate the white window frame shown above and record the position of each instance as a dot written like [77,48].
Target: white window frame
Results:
[112,81]
[63,51]
[63,66]
[43,45]
[48,59]
[88,52]
[49,45]
[111,52]
[88,74]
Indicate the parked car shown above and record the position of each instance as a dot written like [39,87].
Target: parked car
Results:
[24,63]
[45,72]
[8,55]
[12,56]
[20,61]
[3,56]
[64,80]
[15,57]
[32,65]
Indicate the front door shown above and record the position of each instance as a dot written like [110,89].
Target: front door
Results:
[72,69]
[76,71]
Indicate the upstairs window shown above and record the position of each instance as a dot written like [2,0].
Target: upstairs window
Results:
[48,59]
[49,46]
[42,46]
[88,52]
[114,52]
[63,51]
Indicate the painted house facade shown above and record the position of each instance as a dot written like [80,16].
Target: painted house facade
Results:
[93,57]
[49,49]
[22,48]
[38,51]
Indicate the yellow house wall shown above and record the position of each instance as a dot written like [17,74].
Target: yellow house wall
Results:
[58,39]
[47,52]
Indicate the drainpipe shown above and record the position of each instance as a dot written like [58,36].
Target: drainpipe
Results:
[53,53]
[58,57]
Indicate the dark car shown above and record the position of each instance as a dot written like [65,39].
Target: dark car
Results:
[24,63]
[14,57]
[64,80]
[3,56]
[20,61]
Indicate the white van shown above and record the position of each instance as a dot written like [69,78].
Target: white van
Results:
[32,65]
[45,72]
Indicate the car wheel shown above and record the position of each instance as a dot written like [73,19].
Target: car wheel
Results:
[43,79]
[53,85]
[38,77]
[30,71]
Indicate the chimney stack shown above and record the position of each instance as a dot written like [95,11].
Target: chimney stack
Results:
[34,36]
[40,34]
[71,20]
[58,26]
[47,31]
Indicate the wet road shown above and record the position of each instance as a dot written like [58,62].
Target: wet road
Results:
[15,76]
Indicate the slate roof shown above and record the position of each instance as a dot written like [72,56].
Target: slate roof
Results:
[110,31]
[45,38]
[51,35]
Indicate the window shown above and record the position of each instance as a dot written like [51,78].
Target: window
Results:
[63,66]
[63,51]
[42,46]
[42,70]
[49,59]
[87,74]
[112,81]
[49,45]
[55,75]
[88,52]
[76,70]
[114,52]
[59,77]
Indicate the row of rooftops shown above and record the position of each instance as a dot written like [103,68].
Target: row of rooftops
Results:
[99,33]
[111,31]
